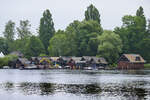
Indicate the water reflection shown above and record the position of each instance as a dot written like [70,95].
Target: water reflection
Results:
[36,88]
[124,90]
[8,86]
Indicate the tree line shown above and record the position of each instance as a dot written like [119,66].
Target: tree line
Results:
[80,38]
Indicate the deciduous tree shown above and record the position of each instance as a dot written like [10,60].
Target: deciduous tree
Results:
[24,29]
[92,13]
[46,29]
[34,47]
[110,46]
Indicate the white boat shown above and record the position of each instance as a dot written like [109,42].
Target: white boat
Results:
[88,68]
[6,67]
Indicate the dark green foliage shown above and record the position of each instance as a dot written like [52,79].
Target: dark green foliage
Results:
[34,47]
[92,14]
[3,45]
[9,34]
[9,31]
[110,46]
[23,30]
[140,12]
[46,29]
[85,35]
[62,44]
[145,48]
[20,44]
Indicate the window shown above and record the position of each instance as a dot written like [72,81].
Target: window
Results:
[137,59]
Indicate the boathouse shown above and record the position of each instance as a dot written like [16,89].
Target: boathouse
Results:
[98,62]
[22,62]
[130,61]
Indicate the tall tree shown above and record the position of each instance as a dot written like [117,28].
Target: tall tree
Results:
[140,17]
[24,29]
[34,47]
[110,46]
[9,34]
[133,31]
[92,13]
[140,12]
[46,29]
[9,31]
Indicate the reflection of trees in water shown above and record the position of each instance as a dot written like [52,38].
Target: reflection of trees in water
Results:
[79,88]
[36,88]
[46,88]
[9,86]
[29,88]
[130,91]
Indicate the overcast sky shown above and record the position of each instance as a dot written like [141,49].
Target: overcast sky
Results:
[65,11]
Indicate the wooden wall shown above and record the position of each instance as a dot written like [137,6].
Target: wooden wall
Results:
[128,65]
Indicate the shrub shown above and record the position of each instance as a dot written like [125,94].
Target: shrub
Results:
[42,55]
[146,65]
[5,60]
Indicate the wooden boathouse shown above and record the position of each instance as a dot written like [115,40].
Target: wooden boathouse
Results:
[130,61]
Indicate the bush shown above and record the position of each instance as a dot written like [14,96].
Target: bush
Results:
[114,65]
[42,55]
[5,60]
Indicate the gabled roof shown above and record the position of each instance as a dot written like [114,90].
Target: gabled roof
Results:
[134,58]
[96,59]
[17,53]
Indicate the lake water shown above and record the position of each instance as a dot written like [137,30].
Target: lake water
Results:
[74,85]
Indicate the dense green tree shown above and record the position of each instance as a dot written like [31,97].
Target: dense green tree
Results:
[133,31]
[88,30]
[3,45]
[19,44]
[23,30]
[24,35]
[34,47]
[124,37]
[85,34]
[9,31]
[140,12]
[9,34]
[92,14]
[46,29]
[110,46]
[62,44]
[145,48]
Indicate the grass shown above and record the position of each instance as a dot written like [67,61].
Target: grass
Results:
[147,66]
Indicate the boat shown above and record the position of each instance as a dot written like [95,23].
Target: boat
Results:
[30,67]
[6,67]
